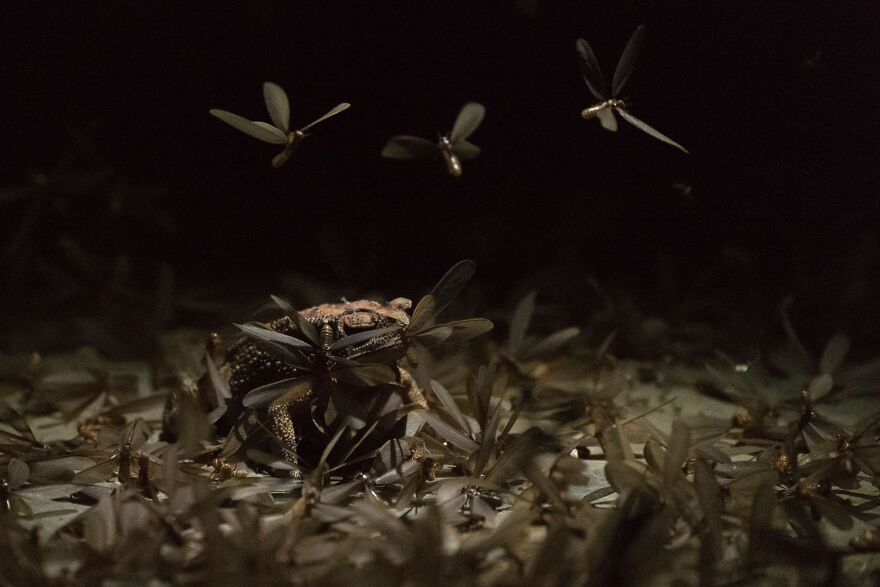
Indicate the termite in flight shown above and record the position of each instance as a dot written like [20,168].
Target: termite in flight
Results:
[607,106]
[454,145]
[278,132]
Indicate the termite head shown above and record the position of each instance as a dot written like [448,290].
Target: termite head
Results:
[295,136]
[453,165]
[741,420]
[212,342]
[782,465]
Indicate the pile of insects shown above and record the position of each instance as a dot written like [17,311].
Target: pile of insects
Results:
[381,441]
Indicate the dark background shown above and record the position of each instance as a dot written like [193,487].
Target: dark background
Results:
[777,102]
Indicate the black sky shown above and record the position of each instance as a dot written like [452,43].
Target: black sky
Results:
[777,103]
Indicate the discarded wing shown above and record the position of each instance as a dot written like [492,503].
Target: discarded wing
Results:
[453,146]
[606,107]
[277,133]
[519,326]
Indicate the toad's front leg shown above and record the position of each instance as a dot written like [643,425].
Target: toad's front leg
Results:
[295,401]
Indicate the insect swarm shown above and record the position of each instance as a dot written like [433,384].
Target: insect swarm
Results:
[607,106]
[277,133]
[453,146]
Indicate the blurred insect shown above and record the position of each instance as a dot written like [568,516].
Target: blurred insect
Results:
[223,470]
[454,145]
[868,541]
[684,190]
[605,109]
[528,356]
[277,133]
[91,427]
[836,452]
[390,487]
[118,464]
[319,498]
[815,61]
[461,501]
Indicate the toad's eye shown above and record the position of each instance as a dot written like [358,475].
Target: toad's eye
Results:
[358,321]
[355,328]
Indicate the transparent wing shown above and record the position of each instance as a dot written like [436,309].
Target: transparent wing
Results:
[590,70]
[449,286]
[304,326]
[278,105]
[358,338]
[469,118]
[409,147]
[465,150]
[519,323]
[292,358]
[627,61]
[452,282]
[423,314]
[606,119]
[259,332]
[259,130]
[449,433]
[651,131]
[221,388]
[363,374]
[263,396]
[452,332]
[449,403]
[336,110]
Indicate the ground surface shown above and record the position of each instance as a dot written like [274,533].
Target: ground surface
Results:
[552,463]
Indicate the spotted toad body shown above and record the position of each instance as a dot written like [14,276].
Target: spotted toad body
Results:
[281,376]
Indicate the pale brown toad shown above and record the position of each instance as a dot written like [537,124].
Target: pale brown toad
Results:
[353,352]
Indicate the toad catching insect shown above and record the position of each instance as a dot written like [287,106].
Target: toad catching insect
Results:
[288,385]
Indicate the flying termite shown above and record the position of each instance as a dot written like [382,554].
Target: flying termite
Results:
[454,145]
[606,107]
[277,133]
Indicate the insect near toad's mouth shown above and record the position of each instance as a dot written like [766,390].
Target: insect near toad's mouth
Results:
[329,366]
